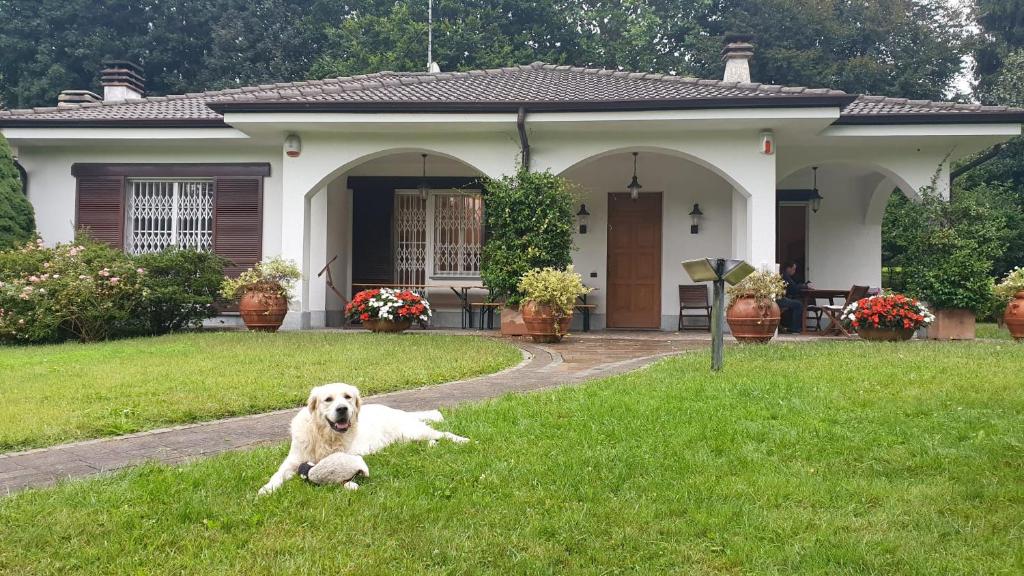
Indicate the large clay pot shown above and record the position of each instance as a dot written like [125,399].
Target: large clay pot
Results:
[512,322]
[541,323]
[1014,317]
[885,334]
[952,324]
[382,325]
[263,311]
[753,322]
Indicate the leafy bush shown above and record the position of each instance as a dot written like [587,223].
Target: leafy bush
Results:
[763,286]
[89,291]
[947,248]
[530,223]
[17,221]
[552,287]
[84,290]
[180,288]
[272,275]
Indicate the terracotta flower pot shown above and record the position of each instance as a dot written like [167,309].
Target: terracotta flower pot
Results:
[753,322]
[952,324]
[382,325]
[512,322]
[885,334]
[1014,317]
[262,311]
[541,323]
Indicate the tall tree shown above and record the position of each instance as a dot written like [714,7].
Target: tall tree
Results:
[909,48]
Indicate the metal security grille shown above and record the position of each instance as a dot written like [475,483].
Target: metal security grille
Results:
[162,213]
[458,234]
[410,239]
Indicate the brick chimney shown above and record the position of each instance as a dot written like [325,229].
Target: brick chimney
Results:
[70,97]
[122,81]
[736,55]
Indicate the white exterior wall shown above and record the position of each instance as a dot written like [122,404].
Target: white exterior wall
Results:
[682,184]
[52,187]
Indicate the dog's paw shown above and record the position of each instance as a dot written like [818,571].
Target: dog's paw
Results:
[268,488]
[458,439]
[350,485]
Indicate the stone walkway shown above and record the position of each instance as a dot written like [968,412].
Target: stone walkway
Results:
[587,357]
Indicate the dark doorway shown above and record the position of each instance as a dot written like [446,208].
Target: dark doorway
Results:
[791,237]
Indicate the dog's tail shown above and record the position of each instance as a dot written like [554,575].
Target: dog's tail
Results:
[429,416]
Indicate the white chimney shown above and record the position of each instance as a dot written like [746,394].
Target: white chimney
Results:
[72,97]
[736,54]
[122,81]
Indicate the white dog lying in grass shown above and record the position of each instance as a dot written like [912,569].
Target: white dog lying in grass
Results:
[334,420]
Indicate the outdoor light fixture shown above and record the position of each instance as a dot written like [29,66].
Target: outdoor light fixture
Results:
[424,188]
[583,217]
[634,185]
[695,216]
[816,198]
[718,271]
[293,146]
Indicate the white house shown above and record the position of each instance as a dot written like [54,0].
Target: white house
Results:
[335,167]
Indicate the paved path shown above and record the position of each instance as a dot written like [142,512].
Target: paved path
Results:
[585,358]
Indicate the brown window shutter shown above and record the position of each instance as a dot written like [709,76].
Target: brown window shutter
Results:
[99,208]
[238,222]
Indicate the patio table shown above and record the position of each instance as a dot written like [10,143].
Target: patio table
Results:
[810,296]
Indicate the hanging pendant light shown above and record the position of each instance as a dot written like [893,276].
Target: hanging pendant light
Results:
[424,187]
[634,185]
[816,197]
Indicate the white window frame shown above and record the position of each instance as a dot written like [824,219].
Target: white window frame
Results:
[175,217]
[431,272]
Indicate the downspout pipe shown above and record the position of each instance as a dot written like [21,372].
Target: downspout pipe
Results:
[524,140]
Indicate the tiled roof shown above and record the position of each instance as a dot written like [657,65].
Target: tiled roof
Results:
[538,86]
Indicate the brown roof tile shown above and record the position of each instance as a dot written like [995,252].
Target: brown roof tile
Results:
[537,84]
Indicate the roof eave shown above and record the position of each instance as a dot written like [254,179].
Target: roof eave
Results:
[29,122]
[795,101]
[933,118]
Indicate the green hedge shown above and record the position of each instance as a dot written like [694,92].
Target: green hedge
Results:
[17,221]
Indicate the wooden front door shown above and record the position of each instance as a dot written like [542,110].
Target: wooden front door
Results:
[634,261]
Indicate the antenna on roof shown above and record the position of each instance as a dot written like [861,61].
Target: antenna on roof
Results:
[432,66]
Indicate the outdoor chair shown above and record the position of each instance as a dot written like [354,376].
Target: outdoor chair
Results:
[835,312]
[694,297]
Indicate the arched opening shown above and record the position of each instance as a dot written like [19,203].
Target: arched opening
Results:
[632,250]
[382,222]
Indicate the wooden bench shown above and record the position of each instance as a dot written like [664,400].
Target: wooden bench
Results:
[486,310]
[586,309]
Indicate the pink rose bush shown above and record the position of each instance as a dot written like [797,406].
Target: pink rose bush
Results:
[82,290]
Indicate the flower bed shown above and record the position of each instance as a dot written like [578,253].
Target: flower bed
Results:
[387,304]
[893,313]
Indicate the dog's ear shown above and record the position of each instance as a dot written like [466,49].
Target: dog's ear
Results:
[311,402]
[359,401]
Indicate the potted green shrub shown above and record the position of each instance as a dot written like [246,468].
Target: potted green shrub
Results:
[1010,291]
[549,296]
[263,292]
[753,314]
[948,251]
[529,221]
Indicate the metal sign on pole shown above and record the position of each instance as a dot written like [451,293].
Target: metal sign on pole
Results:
[718,271]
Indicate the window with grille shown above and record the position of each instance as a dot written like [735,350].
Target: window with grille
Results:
[164,212]
[446,230]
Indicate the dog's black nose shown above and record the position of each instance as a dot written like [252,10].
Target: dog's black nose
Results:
[341,409]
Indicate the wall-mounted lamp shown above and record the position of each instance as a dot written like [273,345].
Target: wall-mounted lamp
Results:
[634,185]
[583,218]
[424,187]
[695,216]
[293,146]
[767,142]
[816,197]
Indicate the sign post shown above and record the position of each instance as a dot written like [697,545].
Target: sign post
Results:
[718,271]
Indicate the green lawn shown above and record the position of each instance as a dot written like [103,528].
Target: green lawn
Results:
[825,458]
[52,394]
[993,331]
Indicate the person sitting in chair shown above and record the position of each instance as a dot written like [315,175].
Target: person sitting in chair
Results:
[790,303]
